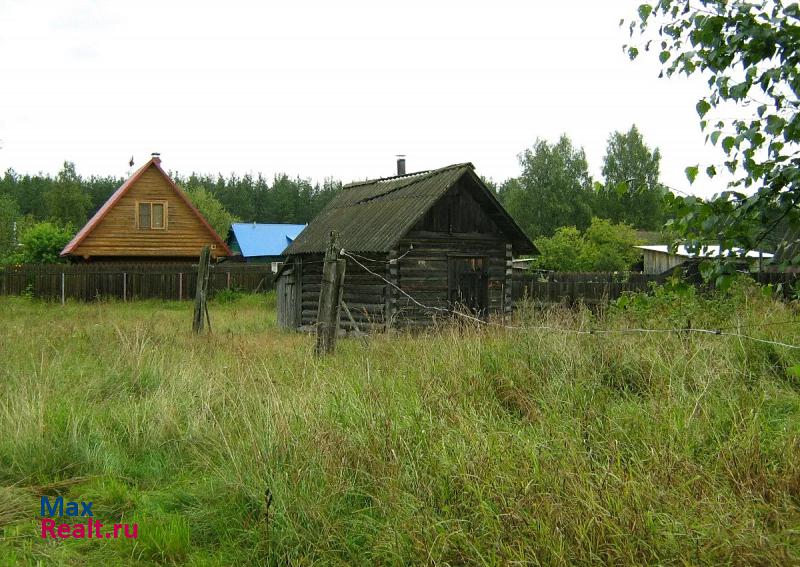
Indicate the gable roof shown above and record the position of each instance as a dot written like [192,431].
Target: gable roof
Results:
[264,239]
[121,191]
[372,216]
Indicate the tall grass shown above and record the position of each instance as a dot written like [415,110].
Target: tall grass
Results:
[455,446]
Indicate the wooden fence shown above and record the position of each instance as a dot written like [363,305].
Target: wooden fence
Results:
[570,287]
[600,287]
[87,282]
[787,283]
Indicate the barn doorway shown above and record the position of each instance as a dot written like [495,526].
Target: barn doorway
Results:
[468,283]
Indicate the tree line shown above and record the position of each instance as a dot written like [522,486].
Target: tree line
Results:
[582,224]
[69,199]
[553,190]
[53,208]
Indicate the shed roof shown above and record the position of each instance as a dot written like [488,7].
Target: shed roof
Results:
[264,239]
[372,216]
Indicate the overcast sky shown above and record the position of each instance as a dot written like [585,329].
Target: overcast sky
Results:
[329,88]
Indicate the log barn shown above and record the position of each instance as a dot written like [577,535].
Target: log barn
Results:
[440,236]
[147,218]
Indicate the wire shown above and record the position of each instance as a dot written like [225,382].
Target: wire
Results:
[775,324]
[717,332]
[391,260]
[367,259]
[426,307]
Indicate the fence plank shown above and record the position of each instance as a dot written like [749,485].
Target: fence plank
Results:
[139,280]
[87,282]
[600,287]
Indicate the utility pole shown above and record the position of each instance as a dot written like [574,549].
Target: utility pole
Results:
[201,297]
[330,297]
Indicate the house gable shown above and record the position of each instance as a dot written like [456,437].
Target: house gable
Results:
[113,231]
[458,211]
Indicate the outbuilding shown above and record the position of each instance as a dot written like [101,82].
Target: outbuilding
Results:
[658,258]
[259,243]
[417,246]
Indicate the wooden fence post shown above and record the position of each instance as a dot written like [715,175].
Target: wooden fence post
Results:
[341,264]
[200,300]
[124,286]
[63,296]
[330,297]
[180,286]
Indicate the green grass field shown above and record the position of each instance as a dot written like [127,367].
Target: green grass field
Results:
[456,446]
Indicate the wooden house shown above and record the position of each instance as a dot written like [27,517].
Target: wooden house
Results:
[439,236]
[148,218]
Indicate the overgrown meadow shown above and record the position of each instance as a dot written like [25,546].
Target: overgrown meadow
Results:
[455,446]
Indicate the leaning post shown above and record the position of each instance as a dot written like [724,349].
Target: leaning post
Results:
[329,298]
[201,295]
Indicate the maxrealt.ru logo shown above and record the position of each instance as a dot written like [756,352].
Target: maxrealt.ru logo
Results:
[90,529]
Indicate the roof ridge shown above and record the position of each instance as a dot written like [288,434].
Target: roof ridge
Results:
[422,172]
[427,175]
[371,181]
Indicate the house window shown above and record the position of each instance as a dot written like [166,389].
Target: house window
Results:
[151,215]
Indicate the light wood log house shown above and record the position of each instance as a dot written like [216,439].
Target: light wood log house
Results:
[149,218]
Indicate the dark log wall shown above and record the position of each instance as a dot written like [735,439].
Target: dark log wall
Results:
[455,226]
[423,272]
[458,212]
[364,293]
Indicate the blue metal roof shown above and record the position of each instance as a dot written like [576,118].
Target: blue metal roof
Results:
[264,239]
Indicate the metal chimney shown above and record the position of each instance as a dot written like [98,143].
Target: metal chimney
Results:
[401,165]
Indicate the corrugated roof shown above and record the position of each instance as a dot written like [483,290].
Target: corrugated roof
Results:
[372,216]
[711,251]
[264,239]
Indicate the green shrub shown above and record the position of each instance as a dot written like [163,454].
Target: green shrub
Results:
[43,242]
[611,247]
[603,247]
[214,212]
[565,251]
[228,295]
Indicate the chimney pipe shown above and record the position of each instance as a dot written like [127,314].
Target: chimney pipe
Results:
[156,157]
[401,165]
